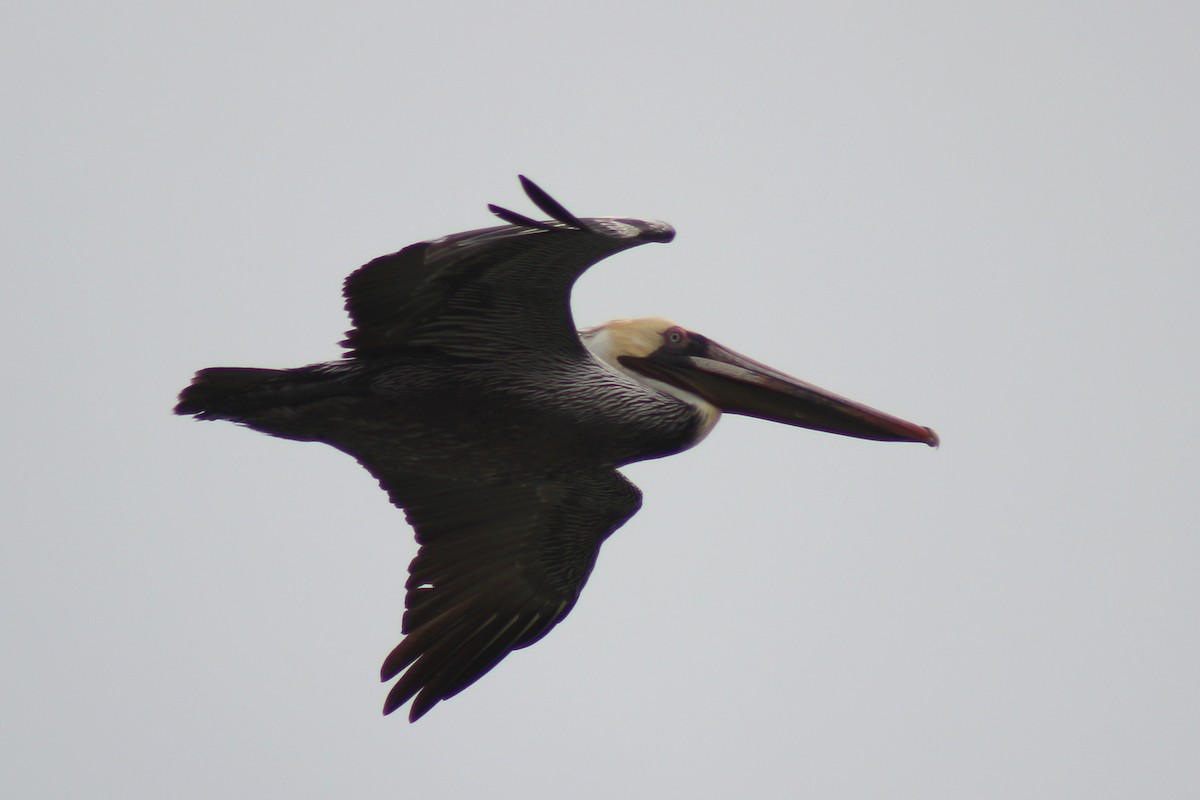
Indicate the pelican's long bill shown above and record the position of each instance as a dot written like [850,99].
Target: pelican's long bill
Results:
[739,385]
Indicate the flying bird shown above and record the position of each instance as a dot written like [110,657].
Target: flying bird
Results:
[467,392]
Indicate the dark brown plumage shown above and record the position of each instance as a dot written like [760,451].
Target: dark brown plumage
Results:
[468,394]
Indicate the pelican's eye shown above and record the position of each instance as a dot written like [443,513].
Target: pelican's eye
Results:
[676,337]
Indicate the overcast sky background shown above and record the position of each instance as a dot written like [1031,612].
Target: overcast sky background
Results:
[980,217]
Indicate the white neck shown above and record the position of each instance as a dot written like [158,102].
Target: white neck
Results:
[606,348]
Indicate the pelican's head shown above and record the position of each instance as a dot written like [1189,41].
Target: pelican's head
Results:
[693,368]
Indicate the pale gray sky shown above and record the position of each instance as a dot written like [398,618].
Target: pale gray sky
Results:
[981,217]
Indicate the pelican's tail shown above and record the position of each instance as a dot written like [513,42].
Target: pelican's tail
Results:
[233,393]
[270,400]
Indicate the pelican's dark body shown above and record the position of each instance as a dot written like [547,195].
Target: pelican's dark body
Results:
[468,394]
[455,419]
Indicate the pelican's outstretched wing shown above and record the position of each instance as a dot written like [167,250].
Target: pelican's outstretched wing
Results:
[500,564]
[487,293]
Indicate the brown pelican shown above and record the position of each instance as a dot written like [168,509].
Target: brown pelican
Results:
[467,392]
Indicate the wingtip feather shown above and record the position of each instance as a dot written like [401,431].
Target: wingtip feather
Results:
[520,220]
[549,205]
